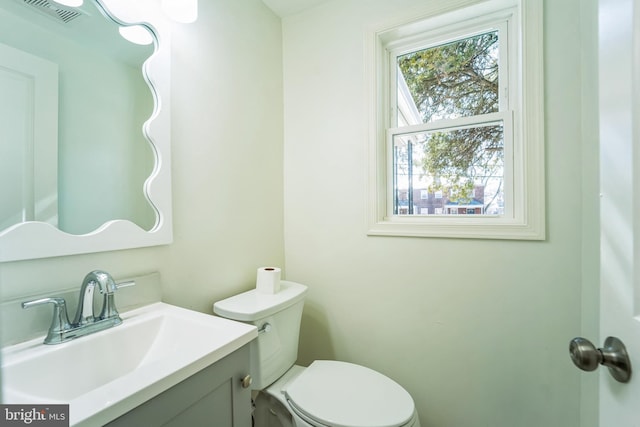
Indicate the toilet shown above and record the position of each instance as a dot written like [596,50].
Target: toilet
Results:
[327,393]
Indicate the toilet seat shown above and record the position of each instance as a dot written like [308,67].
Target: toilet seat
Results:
[341,394]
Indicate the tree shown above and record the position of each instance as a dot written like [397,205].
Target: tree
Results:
[455,80]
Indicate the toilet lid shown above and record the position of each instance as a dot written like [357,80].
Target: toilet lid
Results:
[342,394]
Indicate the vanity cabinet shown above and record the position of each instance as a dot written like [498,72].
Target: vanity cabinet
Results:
[212,397]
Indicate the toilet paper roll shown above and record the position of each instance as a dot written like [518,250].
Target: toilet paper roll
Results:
[268,280]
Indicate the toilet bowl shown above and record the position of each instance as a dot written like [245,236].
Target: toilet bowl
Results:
[324,394]
[339,394]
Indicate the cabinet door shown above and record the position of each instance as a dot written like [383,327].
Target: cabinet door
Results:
[213,397]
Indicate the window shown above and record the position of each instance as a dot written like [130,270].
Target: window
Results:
[459,117]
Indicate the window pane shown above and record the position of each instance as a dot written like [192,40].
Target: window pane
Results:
[457,79]
[461,171]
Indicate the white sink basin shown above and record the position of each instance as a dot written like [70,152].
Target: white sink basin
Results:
[106,374]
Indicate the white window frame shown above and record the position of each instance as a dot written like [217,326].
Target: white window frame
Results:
[521,113]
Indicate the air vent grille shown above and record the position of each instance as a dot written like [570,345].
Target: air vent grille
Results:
[54,10]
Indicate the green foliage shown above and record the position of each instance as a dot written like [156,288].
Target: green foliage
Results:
[456,80]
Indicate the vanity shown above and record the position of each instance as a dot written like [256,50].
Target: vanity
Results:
[164,365]
[213,396]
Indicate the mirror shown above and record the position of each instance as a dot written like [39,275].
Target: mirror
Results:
[84,150]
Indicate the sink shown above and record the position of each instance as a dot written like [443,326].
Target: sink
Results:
[106,374]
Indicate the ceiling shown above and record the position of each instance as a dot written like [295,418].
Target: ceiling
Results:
[284,8]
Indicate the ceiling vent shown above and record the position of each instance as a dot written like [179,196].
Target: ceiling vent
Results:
[54,10]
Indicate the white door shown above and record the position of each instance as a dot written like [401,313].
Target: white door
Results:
[28,138]
[619,104]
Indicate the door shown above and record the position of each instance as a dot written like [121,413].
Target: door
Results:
[28,138]
[619,109]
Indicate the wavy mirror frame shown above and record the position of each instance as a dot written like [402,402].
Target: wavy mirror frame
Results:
[32,240]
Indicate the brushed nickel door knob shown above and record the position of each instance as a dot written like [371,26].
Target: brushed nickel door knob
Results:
[613,355]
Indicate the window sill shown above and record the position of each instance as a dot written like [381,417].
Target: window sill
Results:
[464,228]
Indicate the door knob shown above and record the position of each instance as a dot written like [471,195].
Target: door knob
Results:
[613,355]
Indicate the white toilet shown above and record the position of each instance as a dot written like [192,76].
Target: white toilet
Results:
[327,393]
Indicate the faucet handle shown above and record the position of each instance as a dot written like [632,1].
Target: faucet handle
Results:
[57,302]
[59,322]
[110,288]
[125,284]
[109,310]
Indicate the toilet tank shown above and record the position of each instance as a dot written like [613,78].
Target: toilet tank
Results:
[277,317]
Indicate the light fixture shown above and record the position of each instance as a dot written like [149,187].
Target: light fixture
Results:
[183,11]
[69,3]
[136,34]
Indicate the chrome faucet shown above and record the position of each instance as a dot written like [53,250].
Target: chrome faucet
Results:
[105,284]
[85,322]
